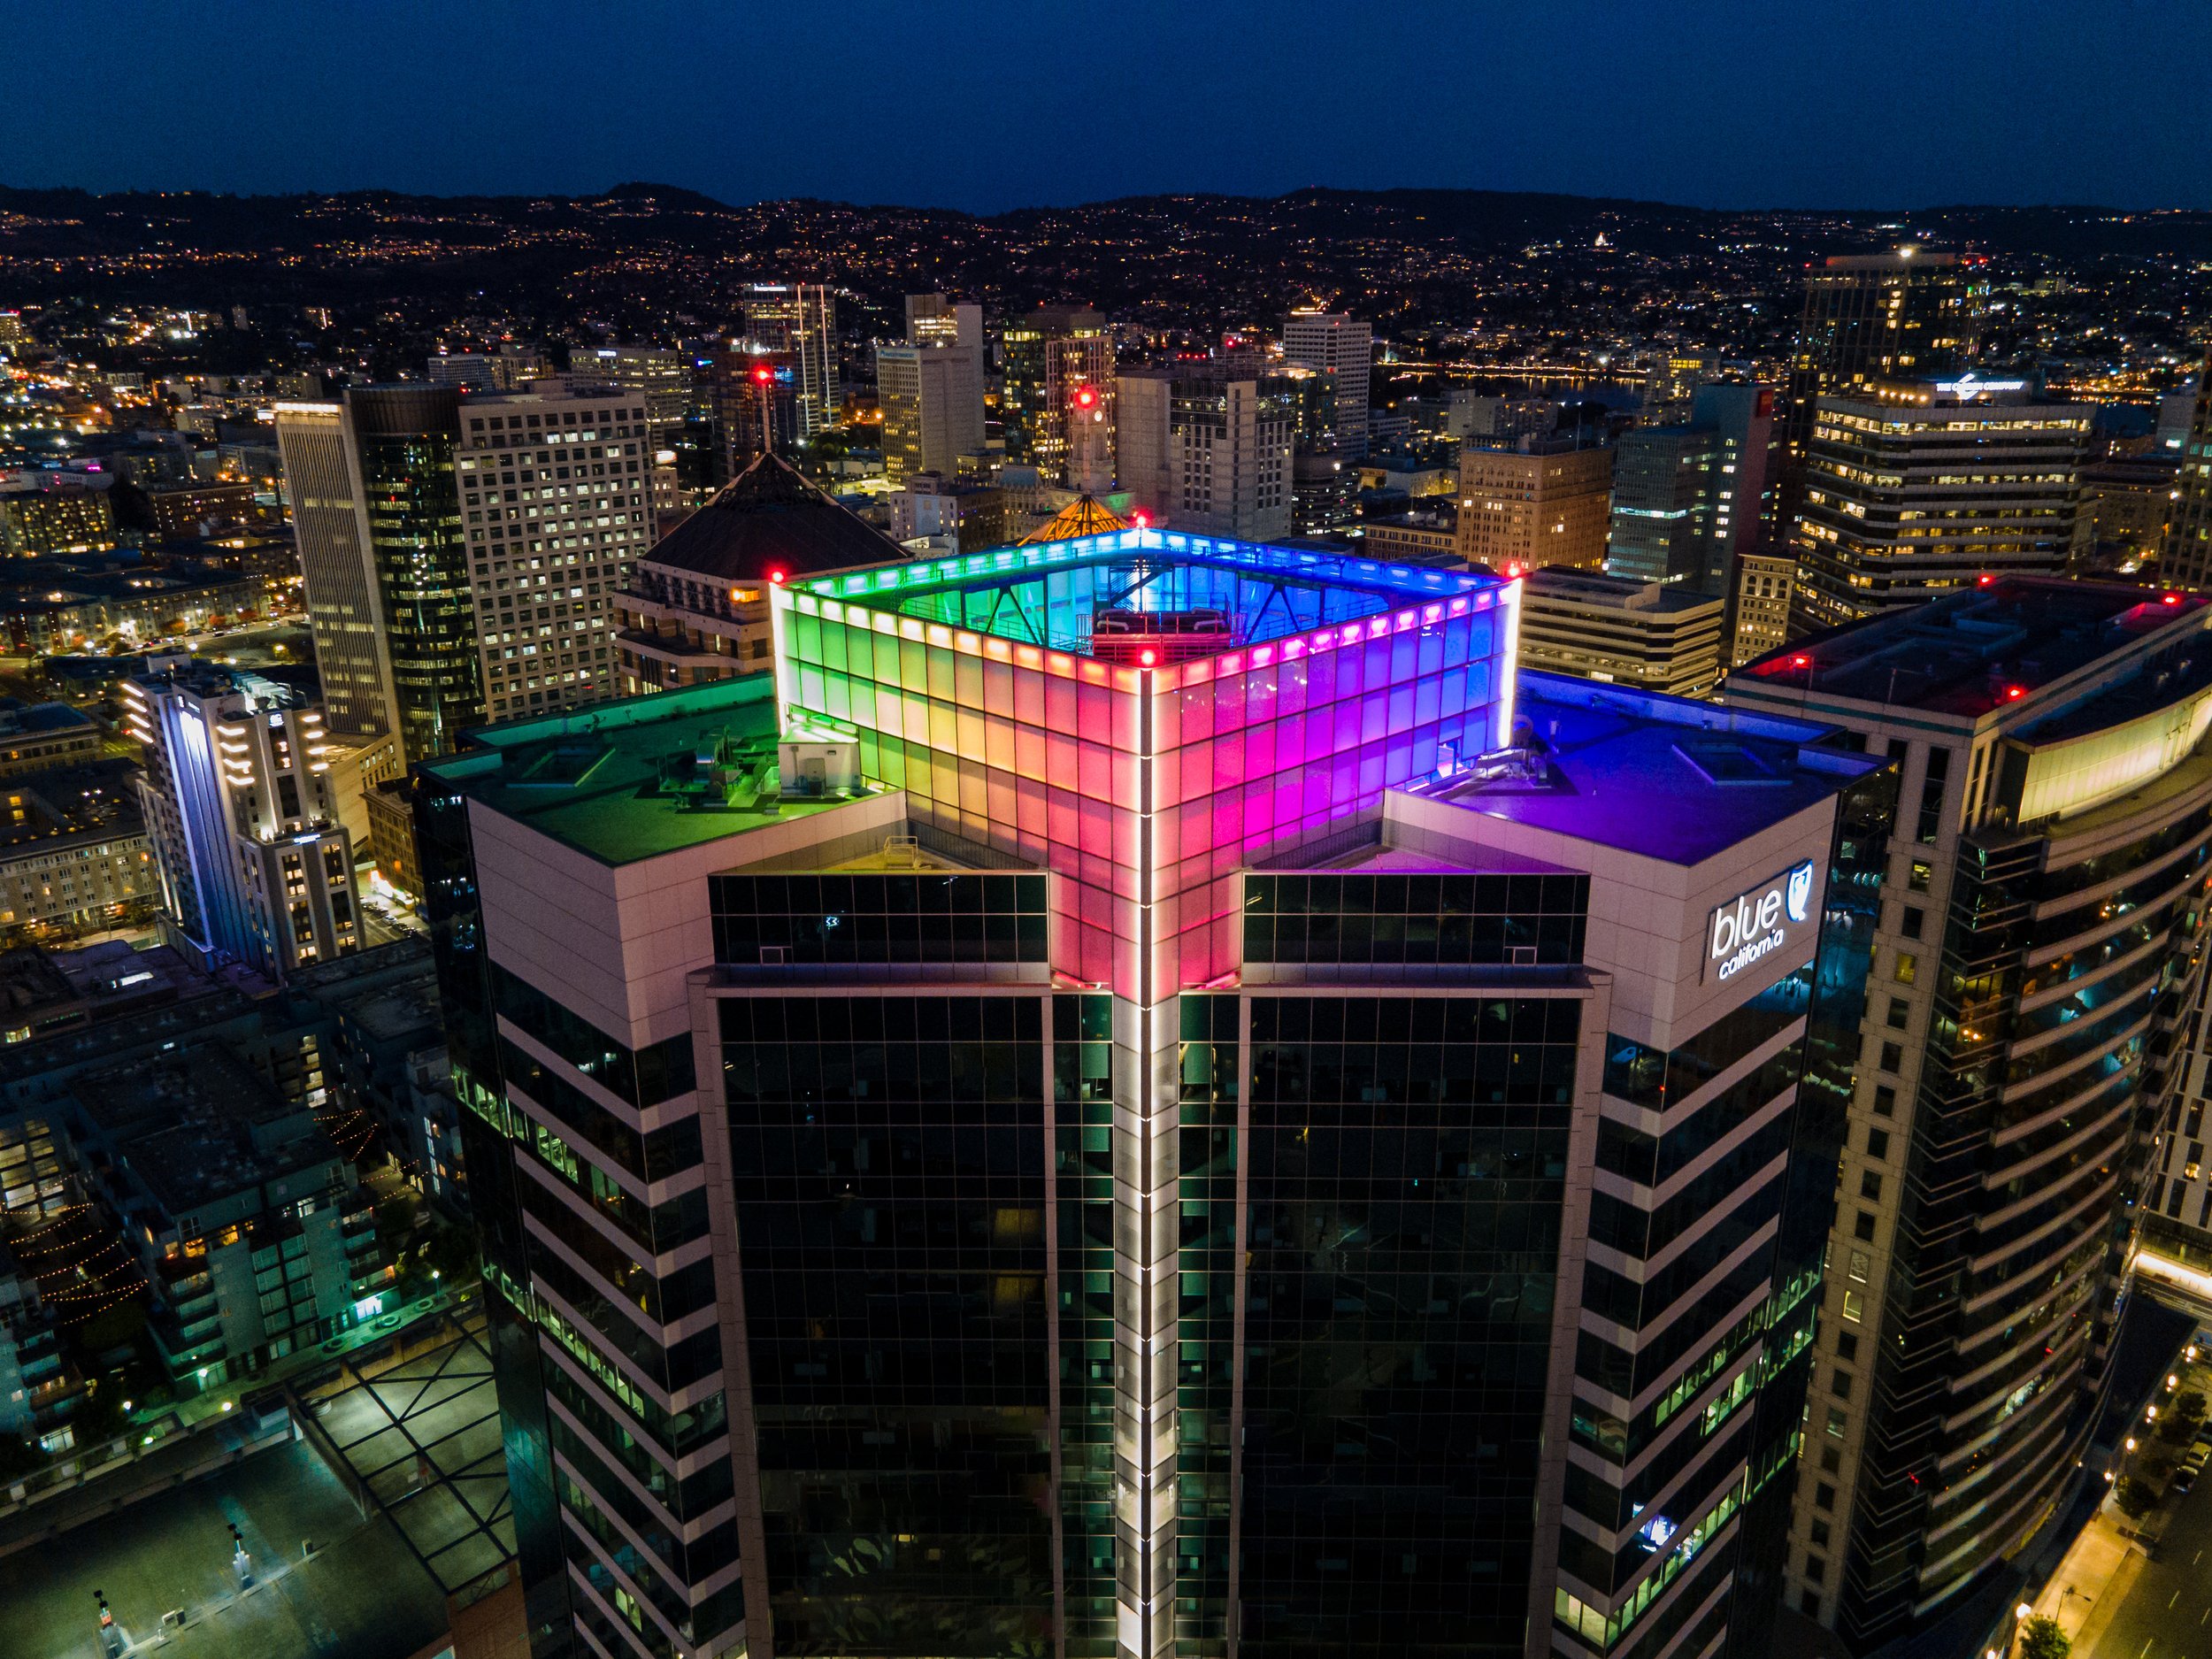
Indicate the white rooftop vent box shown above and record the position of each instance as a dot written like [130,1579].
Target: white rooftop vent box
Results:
[808,767]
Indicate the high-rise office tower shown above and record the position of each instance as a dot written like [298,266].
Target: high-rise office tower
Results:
[933,321]
[1742,417]
[255,866]
[345,604]
[1043,357]
[1930,486]
[660,375]
[2185,561]
[1664,479]
[1206,447]
[396,590]
[2177,1226]
[930,390]
[1546,502]
[800,318]
[2041,918]
[1341,349]
[754,395]
[1869,316]
[555,489]
[1151,1095]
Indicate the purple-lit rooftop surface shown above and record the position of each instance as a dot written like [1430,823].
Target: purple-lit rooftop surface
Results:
[1970,652]
[1660,777]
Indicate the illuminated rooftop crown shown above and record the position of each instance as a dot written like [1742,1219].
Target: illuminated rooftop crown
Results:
[1297,687]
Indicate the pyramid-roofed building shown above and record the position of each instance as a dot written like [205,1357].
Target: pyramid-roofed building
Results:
[697,608]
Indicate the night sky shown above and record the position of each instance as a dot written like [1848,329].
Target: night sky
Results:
[989,103]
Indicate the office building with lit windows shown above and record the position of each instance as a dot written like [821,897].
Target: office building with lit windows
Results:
[1907,313]
[256,865]
[2041,908]
[1340,351]
[1206,447]
[555,486]
[801,319]
[1664,483]
[1927,487]
[2186,559]
[1150,1096]
[1044,355]
[1547,501]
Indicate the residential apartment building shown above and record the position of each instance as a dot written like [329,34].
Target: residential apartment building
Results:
[74,856]
[37,737]
[2041,926]
[255,862]
[40,523]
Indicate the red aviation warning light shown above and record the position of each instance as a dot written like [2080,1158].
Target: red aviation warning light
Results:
[1087,397]
[776,576]
[763,374]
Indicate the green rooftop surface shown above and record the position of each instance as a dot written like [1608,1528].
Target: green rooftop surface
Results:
[594,777]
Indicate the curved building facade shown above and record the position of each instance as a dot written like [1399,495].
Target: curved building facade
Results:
[2042,913]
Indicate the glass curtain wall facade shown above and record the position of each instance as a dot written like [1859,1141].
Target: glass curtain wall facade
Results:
[405,440]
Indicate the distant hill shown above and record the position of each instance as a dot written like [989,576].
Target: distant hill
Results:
[640,246]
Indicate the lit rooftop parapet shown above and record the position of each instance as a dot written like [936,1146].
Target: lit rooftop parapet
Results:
[1051,594]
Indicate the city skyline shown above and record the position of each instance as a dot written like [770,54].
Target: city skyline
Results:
[1741,134]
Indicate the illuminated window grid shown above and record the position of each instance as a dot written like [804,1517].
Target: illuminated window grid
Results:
[1047,753]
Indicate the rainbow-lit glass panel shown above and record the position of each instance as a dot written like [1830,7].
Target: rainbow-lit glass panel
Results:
[1148,788]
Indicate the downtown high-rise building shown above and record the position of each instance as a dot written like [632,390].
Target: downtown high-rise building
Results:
[1152,1095]
[1547,501]
[1206,447]
[930,390]
[1687,498]
[661,375]
[2042,914]
[1341,350]
[801,319]
[556,489]
[1046,356]
[1663,484]
[385,562]
[1919,487]
[1901,315]
[2186,558]
[242,806]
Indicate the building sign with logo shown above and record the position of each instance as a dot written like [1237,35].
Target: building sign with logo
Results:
[1755,924]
